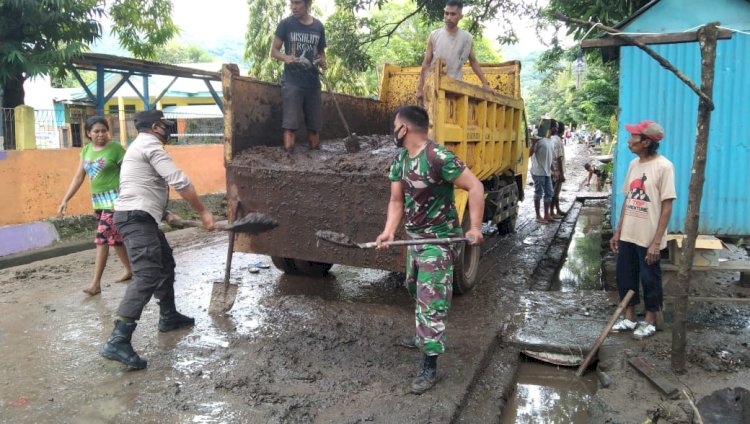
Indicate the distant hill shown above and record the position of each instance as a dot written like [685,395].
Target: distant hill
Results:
[226,50]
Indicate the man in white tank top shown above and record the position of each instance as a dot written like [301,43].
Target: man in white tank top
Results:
[453,45]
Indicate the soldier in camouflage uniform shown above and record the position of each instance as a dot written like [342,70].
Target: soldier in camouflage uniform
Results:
[423,176]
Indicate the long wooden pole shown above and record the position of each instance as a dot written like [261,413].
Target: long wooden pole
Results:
[605,332]
[707,36]
[662,61]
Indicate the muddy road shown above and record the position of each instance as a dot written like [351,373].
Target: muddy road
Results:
[292,350]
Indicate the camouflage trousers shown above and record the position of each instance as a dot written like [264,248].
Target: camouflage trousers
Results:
[429,280]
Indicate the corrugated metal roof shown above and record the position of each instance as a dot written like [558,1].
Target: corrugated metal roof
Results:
[647,91]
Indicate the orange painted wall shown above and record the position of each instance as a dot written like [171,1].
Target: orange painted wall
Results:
[33,182]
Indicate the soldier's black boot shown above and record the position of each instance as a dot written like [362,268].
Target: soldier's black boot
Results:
[118,347]
[427,377]
[169,318]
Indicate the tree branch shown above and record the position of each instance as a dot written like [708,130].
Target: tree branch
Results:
[395,28]
[662,61]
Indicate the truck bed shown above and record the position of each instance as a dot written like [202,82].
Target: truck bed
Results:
[339,191]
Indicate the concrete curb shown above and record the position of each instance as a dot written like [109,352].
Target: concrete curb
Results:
[61,249]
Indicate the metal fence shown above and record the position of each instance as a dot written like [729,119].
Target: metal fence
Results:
[64,128]
[7,129]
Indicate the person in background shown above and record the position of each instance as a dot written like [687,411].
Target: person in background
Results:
[541,151]
[100,160]
[649,192]
[601,175]
[558,170]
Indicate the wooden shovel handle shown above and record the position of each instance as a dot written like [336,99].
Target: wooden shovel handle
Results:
[595,347]
[190,223]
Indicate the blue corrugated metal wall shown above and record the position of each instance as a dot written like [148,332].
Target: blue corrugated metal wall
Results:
[647,91]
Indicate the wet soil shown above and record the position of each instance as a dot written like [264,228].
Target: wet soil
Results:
[296,349]
[374,157]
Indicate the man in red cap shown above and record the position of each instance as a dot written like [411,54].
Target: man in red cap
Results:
[649,191]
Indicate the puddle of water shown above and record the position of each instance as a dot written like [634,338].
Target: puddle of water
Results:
[548,394]
[582,267]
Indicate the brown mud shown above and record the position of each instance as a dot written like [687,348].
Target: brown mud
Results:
[296,349]
[326,189]
[374,157]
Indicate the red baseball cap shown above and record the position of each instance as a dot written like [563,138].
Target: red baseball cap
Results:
[649,129]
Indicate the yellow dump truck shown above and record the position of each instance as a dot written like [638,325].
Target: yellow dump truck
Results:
[333,190]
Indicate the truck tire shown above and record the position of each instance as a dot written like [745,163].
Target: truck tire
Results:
[301,266]
[285,265]
[507,226]
[466,267]
[311,268]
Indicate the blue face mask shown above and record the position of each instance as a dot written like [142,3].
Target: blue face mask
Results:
[399,141]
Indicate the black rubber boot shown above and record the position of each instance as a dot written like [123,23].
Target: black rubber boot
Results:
[427,377]
[169,318]
[118,347]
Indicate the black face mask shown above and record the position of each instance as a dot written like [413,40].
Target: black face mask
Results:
[399,141]
[167,132]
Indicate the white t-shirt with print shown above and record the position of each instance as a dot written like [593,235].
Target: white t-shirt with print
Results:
[646,186]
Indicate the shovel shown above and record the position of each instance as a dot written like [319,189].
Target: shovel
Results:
[224,294]
[351,142]
[252,223]
[343,240]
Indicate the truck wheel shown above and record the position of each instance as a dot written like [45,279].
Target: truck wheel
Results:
[507,226]
[311,268]
[466,267]
[284,264]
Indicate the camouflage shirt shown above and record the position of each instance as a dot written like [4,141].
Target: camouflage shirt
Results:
[428,190]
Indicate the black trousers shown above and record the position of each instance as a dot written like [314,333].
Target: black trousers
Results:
[150,258]
[633,269]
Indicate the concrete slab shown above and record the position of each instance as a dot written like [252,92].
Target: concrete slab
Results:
[563,322]
[23,237]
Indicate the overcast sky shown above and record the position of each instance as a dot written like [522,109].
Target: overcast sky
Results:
[217,19]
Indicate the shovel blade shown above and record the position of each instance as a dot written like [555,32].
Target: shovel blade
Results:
[222,298]
[252,223]
[352,144]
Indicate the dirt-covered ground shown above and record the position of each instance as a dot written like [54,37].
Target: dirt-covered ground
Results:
[296,349]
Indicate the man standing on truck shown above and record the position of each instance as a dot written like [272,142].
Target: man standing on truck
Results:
[453,45]
[423,176]
[304,41]
[146,174]
[649,192]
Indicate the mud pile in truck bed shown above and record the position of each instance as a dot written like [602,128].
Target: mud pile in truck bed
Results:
[375,156]
[327,189]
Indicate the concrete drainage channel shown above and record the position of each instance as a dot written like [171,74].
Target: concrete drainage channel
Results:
[546,392]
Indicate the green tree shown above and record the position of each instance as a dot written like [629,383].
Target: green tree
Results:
[264,16]
[176,53]
[41,36]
